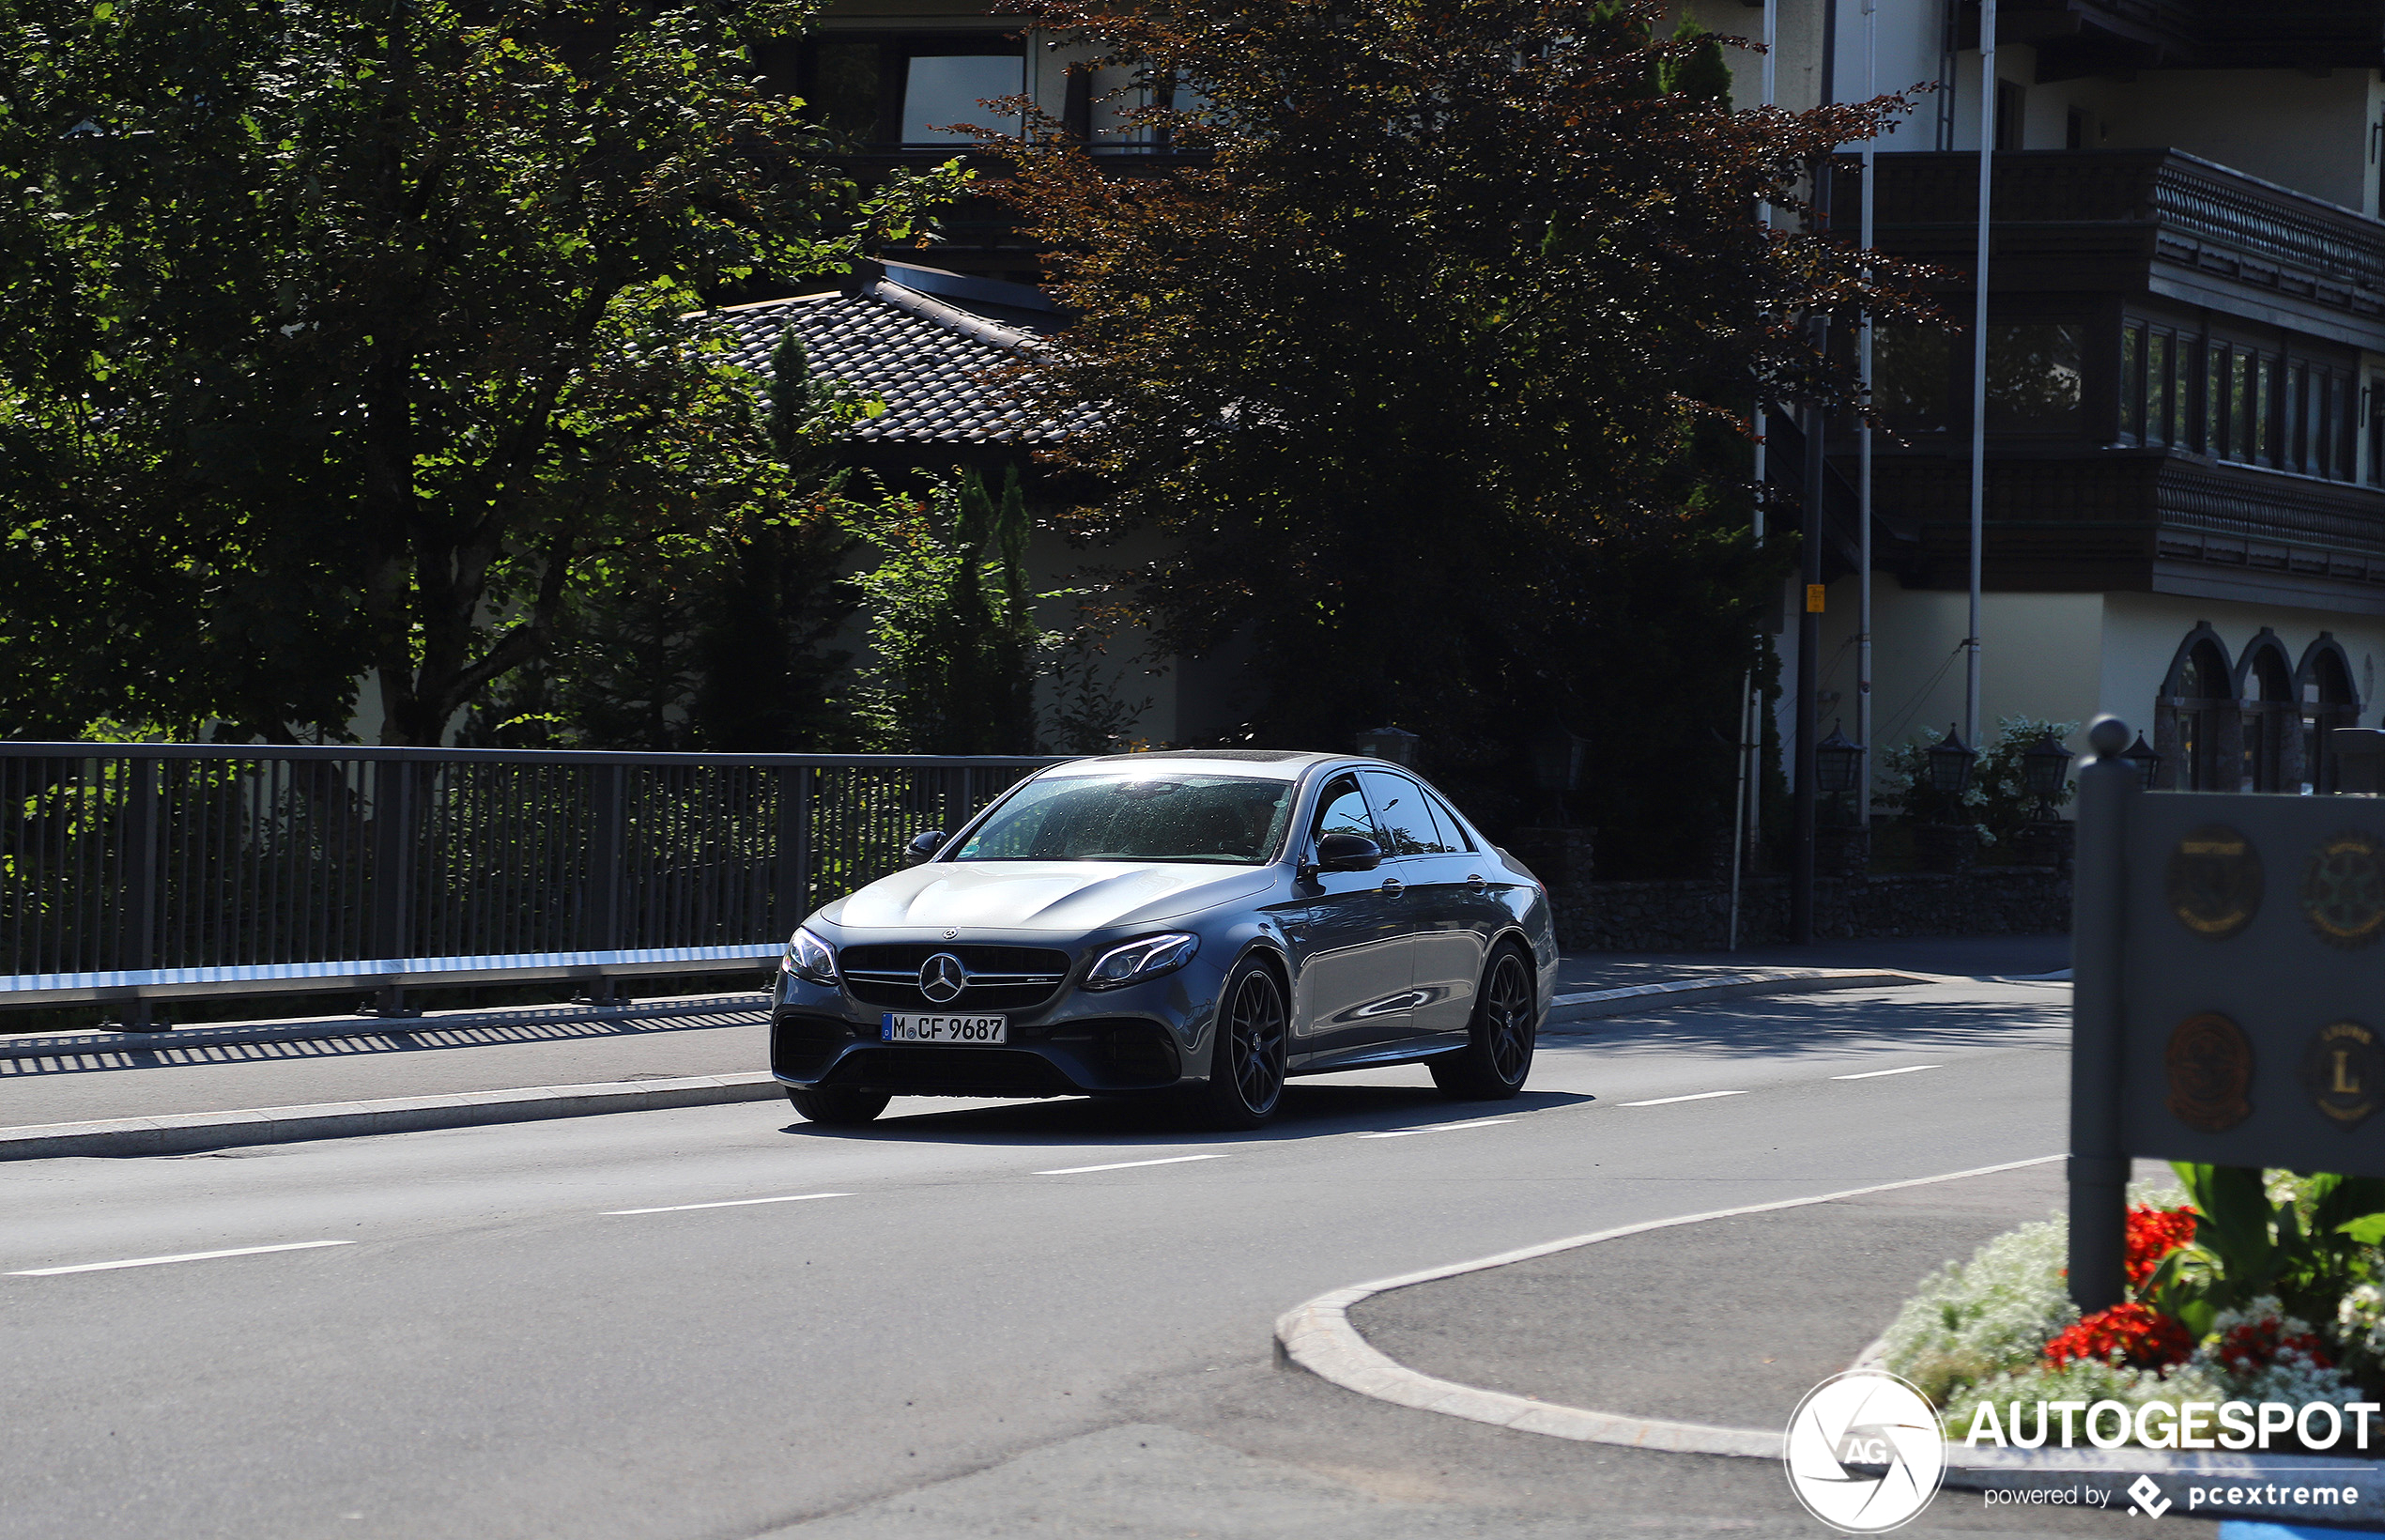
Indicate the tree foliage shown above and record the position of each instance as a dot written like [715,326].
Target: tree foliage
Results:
[1433,362]
[952,623]
[348,337]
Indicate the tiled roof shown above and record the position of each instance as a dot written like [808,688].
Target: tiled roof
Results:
[930,360]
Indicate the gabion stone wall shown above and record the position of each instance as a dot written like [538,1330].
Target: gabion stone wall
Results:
[1696,916]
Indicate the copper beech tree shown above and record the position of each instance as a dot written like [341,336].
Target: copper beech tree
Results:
[1429,347]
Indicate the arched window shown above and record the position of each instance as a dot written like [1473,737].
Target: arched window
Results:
[2324,686]
[2272,740]
[2196,729]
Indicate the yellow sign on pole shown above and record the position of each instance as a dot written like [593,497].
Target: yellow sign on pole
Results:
[1813,599]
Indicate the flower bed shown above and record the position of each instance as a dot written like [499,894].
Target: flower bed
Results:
[2241,1288]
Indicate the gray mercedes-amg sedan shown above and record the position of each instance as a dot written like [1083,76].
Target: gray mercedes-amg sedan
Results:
[1198,925]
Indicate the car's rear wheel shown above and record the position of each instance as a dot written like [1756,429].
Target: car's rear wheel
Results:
[1498,1055]
[837,1105]
[1246,1063]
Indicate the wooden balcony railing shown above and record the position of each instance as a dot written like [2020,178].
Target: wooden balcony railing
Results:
[2157,204]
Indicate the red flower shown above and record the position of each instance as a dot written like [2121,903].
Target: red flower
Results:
[2153,1234]
[2255,1345]
[2142,1336]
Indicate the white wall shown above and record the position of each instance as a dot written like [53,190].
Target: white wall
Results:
[2055,656]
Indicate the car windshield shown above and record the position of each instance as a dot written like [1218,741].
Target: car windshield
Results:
[1129,817]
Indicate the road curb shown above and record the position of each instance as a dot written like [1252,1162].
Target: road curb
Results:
[1592,1005]
[1317,1336]
[199,1131]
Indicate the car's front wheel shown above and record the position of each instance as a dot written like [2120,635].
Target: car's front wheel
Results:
[837,1105]
[1498,1055]
[1246,1063]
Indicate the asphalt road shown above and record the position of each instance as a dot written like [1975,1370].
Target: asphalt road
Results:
[1034,1318]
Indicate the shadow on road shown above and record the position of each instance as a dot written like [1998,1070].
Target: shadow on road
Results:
[1792,1022]
[1309,1112]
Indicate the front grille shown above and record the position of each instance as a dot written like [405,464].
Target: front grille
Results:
[922,1068]
[801,1046]
[886,974]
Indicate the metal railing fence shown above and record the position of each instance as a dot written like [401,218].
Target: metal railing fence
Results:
[141,859]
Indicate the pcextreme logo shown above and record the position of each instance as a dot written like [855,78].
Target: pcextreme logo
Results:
[1865,1452]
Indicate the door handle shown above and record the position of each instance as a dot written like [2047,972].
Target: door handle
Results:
[1392,887]
[1474,880]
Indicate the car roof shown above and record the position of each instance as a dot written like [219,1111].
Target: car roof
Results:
[1258,763]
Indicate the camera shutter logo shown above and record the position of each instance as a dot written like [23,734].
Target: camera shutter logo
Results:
[1865,1452]
[942,978]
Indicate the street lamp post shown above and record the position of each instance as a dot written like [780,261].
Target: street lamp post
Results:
[1557,768]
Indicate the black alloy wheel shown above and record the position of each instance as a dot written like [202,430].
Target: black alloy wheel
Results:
[1498,1055]
[838,1105]
[1253,1037]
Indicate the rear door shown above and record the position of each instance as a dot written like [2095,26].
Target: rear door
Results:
[1351,984]
[1446,950]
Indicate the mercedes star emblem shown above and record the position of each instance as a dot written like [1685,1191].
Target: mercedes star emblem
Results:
[942,978]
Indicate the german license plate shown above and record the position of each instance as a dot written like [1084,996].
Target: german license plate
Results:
[903,1028]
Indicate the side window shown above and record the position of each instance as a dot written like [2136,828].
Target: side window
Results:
[1407,823]
[1454,835]
[1339,809]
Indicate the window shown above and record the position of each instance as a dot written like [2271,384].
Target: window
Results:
[2033,378]
[2012,105]
[1454,835]
[1129,816]
[2269,715]
[2328,703]
[1910,371]
[2078,129]
[1400,812]
[2195,719]
[909,89]
[1339,809]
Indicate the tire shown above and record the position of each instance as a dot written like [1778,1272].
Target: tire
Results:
[1498,1055]
[837,1106]
[1247,1060]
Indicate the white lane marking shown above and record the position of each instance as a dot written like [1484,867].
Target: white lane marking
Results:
[1668,1101]
[185,1256]
[1439,1127]
[732,1203]
[1874,1074]
[1122,1165]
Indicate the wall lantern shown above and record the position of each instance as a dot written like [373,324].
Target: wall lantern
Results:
[1838,763]
[1389,742]
[2042,765]
[1557,758]
[2147,760]
[1950,765]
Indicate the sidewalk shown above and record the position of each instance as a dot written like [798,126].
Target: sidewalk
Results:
[231,1066]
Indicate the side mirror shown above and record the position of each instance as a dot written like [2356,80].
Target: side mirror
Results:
[926,843]
[1347,853]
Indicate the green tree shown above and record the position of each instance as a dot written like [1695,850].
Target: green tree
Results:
[952,623]
[350,337]
[1434,372]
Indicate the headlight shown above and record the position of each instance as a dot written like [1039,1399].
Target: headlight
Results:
[809,957]
[1139,959]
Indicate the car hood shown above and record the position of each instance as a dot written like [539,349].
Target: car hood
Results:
[1061,895]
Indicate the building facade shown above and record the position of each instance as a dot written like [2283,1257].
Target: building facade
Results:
[2184,509]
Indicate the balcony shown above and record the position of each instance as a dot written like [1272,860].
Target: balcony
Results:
[2134,221]
[2142,520]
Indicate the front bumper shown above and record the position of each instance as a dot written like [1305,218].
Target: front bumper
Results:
[1147,1037]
